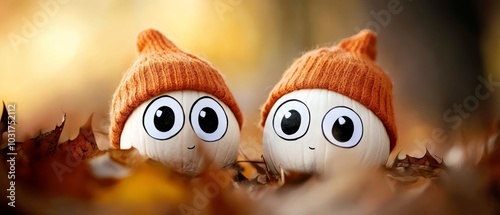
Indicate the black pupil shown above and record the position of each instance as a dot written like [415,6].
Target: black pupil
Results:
[164,119]
[290,123]
[208,120]
[342,129]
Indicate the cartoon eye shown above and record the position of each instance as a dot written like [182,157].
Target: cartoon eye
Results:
[208,119]
[163,118]
[291,120]
[342,127]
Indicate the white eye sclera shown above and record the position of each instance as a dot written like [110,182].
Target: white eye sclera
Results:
[291,120]
[163,118]
[342,127]
[208,119]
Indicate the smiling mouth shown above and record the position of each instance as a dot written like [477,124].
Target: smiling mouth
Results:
[311,148]
[192,147]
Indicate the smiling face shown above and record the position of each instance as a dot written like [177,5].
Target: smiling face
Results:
[183,129]
[316,130]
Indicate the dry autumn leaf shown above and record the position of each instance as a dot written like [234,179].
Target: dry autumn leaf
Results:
[3,122]
[427,166]
[44,165]
[46,144]
[84,145]
[43,145]
[50,170]
[250,172]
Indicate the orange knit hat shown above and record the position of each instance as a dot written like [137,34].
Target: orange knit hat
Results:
[162,67]
[348,69]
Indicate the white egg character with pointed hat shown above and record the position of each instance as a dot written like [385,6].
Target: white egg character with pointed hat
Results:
[175,108]
[332,108]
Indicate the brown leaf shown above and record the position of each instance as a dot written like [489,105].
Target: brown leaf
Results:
[44,165]
[43,145]
[3,122]
[427,160]
[84,145]
[409,170]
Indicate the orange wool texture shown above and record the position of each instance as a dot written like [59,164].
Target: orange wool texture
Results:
[347,68]
[162,67]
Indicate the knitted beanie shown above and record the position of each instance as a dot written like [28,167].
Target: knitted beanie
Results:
[162,67]
[348,69]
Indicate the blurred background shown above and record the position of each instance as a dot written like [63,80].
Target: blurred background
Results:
[68,56]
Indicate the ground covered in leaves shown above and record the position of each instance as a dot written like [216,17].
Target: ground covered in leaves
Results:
[76,177]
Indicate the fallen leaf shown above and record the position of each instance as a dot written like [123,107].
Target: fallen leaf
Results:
[255,174]
[3,122]
[44,165]
[408,174]
[427,166]
[43,145]
[84,145]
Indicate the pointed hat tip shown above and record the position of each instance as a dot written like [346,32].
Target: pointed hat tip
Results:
[363,43]
[151,40]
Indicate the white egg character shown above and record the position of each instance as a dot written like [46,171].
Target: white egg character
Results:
[175,108]
[332,110]
[170,127]
[307,127]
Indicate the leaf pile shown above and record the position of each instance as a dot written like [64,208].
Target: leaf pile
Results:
[409,170]
[43,164]
[76,175]
[47,170]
